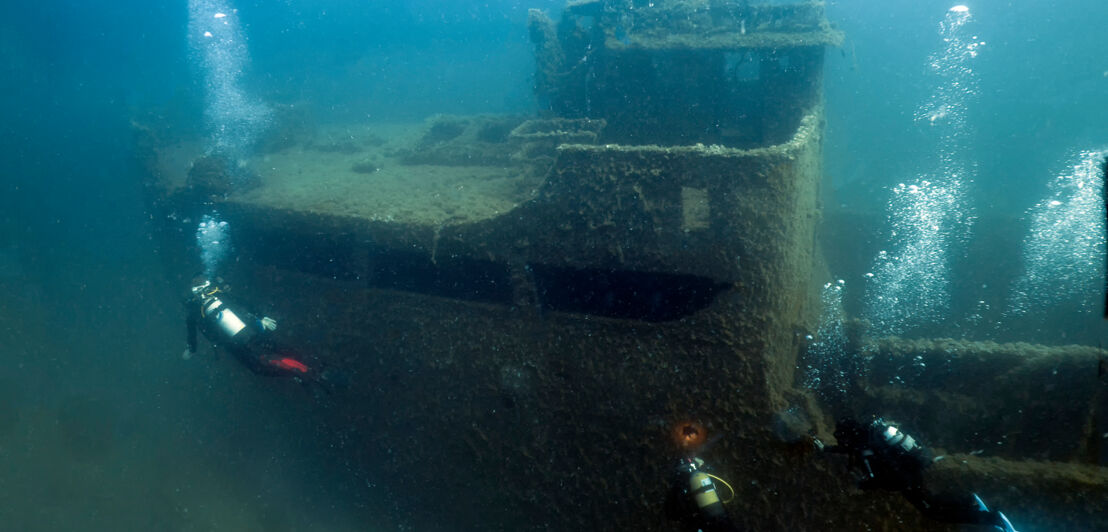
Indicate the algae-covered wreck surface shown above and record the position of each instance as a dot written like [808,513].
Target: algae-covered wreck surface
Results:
[525,306]
[372,172]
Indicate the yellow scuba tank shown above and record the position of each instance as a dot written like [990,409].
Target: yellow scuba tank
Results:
[700,486]
[704,493]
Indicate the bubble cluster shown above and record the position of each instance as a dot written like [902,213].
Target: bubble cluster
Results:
[910,285]
[927,219]
[828,363]
[956,86]
[233,119]
[1063,253]
[213,238]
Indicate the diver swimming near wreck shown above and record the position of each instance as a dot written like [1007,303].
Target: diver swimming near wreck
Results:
[890,460]
[884,457]
[245,336]
[692,498]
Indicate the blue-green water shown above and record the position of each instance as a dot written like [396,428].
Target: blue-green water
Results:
[106,428]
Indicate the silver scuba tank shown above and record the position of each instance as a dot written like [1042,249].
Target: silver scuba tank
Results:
[226,319]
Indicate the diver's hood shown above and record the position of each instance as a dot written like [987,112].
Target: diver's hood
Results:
[205,290]
[200,288]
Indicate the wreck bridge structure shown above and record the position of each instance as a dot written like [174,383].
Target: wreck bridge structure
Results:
[524,307]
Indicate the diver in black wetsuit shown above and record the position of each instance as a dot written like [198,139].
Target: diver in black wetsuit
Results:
[891,460]
[693,500]
[240,333]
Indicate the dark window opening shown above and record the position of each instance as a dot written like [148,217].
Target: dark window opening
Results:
[742,67]
[458,278]
[624,294]
[337,258]
[324,257]
[645,296]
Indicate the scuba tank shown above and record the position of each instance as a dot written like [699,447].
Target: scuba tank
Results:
[226,319]
[892,451]
[894,439]
[702,489]
[213,309]
[693,498]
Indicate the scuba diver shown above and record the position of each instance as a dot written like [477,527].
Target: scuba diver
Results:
[890,460]
[248,338]
[692,498]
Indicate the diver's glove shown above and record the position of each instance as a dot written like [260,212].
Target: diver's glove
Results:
[187,354]
[268,323]
[1005,525]
[1001,522]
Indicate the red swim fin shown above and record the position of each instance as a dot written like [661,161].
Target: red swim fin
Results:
[290,363]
